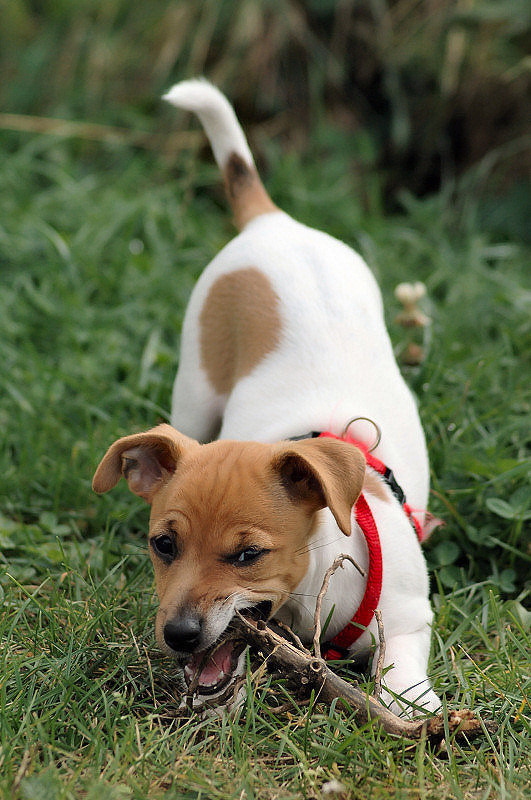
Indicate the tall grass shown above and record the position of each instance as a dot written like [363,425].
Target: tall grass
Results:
[438,84]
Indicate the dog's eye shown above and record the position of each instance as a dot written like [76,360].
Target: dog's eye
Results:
[164,546]
[247,556]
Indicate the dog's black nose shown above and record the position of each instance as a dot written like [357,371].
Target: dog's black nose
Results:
[183,635]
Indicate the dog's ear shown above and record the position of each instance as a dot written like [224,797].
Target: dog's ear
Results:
[322,472]
[146,460]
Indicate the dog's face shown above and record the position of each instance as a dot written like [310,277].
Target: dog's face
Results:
[229,527]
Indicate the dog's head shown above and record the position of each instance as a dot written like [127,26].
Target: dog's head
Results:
[229,527]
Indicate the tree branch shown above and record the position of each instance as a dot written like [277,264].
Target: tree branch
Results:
[310,673]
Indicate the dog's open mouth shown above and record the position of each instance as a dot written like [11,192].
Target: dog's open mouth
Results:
[209,672]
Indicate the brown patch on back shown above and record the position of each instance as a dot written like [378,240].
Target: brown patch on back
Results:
[245,191]
[239,325]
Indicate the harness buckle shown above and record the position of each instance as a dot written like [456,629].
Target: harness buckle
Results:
[394,486]
[373,423]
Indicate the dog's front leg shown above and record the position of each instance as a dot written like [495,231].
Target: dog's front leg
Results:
[406,688]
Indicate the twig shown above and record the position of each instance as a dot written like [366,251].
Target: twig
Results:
[99,133]
[288,633]
[381,655]
[312,673]
[23,768]
[324,588]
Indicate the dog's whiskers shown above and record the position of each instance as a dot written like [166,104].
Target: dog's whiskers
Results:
[310,549]
[315,541]
[299,602]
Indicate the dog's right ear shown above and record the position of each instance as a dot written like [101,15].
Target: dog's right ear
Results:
[146,460]
[322,472]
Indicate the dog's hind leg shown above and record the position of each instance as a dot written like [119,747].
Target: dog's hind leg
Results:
[196,409]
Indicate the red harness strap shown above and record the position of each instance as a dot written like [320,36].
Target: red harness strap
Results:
[337,647]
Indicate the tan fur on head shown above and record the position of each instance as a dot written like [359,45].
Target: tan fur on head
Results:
[373,484]
[217,499]
[324,472]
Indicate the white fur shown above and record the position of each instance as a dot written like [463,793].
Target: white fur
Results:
[334,362]
[217,118]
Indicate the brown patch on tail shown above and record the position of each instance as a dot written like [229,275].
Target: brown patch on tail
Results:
[245,191]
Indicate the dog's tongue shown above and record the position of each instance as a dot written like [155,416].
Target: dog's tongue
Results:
[218,666]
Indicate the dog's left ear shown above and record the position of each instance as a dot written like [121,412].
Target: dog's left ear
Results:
[146,460]
[322,472]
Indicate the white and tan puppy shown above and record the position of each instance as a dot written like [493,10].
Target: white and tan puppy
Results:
[284,334]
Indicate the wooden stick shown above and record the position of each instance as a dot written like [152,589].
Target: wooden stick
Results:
[310,673]
[381,655]
[100,133]
[324,588]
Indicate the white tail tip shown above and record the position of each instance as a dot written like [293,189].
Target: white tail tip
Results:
[216,115]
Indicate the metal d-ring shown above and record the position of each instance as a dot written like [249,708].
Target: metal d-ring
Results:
[373,423]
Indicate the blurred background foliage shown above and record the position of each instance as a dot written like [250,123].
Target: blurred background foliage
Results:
[424,88]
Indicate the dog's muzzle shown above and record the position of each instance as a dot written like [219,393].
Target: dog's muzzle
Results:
[183,635]
[210,671]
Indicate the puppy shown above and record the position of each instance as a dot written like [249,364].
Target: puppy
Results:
[283,340]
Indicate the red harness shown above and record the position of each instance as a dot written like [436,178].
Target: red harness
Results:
[338,647]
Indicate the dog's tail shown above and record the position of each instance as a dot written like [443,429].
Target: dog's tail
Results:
[245,191]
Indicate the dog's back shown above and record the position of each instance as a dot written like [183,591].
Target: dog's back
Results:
[285,331]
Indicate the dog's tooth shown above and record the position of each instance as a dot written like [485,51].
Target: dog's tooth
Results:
[214,680]
[218,677]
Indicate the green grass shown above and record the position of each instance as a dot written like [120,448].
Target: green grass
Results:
[99,250]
